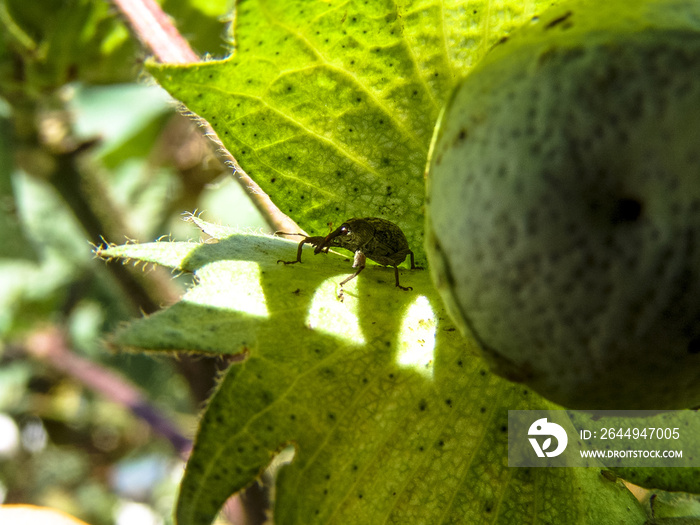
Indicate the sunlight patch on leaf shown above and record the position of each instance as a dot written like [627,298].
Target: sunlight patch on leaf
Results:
[333,317]
[239,289]
[417,338]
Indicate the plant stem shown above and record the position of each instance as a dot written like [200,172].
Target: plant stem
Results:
[50,345]
[158,34]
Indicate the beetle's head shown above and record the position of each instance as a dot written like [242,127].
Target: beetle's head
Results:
[341,237]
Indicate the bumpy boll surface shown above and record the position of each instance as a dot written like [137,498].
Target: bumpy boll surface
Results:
[564,205]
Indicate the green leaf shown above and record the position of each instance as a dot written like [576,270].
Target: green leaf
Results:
[13,242]
[669,505]
[81,39]
[683,479]
[393,417]
[331,107]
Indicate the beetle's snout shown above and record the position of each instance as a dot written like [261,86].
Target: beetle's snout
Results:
[326,243]
[320,246]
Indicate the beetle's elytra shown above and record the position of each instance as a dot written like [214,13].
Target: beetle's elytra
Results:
[371,238]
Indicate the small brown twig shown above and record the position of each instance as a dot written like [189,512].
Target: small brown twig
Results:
[157,32]
[50,346]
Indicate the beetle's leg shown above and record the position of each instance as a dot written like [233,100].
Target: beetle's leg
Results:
[396,274]
[359,263]
[313,241]
[351,277]
[298,260]
[413,266]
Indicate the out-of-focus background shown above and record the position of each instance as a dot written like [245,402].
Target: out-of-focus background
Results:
[90,149]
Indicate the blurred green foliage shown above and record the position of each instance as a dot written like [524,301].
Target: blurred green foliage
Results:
[89,150]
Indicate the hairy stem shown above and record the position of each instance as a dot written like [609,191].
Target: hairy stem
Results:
[158,34]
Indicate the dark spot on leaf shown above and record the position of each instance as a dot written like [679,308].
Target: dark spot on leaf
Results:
[626,210]
[694,346]
[558,20]
[482,410]
[354,468]
[459,363]
[448,402]
[609,475]
[441,443]
[359,496]
[273,179]
[422,405]
[504,428]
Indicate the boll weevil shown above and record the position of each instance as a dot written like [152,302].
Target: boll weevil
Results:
[372,238]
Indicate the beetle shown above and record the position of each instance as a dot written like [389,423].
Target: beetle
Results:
[372,238]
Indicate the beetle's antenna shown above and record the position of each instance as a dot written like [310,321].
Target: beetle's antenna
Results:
[285,233]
